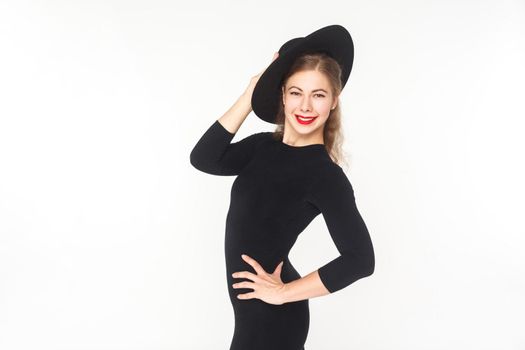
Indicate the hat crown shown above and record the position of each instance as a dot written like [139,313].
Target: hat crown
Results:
[295,44]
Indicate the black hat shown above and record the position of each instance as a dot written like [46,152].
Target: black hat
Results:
[333,40]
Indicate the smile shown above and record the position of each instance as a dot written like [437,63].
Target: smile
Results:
[304,120]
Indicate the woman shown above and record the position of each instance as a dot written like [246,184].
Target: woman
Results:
[284,180]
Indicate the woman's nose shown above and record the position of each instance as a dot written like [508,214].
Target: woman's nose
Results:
[305,107]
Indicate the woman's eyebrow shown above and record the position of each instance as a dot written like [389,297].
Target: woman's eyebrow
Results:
[312,90]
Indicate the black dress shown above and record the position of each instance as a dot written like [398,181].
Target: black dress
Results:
[278,191]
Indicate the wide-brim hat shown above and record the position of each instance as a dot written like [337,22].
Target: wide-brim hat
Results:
[334,40]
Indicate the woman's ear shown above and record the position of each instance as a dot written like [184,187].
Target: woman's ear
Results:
[336,101]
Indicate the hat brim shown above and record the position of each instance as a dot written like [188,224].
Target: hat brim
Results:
[334,40]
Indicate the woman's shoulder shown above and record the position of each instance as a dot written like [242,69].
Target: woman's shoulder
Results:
[330,170]
[257,138]
[262,137]
[329,174]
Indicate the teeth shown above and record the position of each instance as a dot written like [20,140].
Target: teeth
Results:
[306,119]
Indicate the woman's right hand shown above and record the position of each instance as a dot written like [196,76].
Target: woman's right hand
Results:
[255,79]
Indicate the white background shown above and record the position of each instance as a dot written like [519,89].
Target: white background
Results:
[110,239]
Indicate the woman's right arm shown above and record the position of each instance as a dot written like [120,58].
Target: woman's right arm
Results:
[214,153]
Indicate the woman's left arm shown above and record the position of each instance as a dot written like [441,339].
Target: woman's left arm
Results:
[333,195]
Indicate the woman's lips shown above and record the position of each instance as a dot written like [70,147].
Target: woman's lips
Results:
[304,120]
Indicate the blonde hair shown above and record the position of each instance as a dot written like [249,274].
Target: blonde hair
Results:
[332,133]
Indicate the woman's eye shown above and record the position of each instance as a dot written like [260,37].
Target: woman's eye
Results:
[297,93]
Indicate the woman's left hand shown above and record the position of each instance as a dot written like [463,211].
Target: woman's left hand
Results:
[267,287]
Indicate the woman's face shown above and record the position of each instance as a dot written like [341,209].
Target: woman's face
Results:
[307,94]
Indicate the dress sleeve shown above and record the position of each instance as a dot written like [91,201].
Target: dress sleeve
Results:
[333,195]
[215,154]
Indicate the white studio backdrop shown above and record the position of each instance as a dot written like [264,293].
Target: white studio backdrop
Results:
[110,239]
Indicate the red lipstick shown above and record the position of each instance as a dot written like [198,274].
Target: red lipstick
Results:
[304,120]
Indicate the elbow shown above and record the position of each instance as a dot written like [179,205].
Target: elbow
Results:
[204,163]
[366,265]
[369,267]
[369,263]
[367,260]
[194,159]
[197,161]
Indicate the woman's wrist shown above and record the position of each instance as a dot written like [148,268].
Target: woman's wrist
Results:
[246,96]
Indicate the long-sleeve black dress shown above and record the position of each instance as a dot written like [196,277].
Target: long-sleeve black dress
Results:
[278,191]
